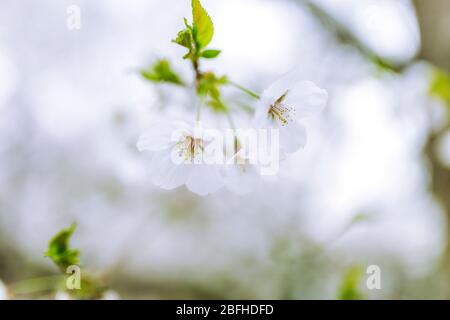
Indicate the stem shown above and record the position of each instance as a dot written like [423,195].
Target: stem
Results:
[198,73]
[233,126]
[247,91]
[199,109]
[230,120]
[198,76]
[36,284]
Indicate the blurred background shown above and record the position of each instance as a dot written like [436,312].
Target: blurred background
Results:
[372,187]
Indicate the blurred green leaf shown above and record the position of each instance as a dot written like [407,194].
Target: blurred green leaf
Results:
[59,250]
[203,26]
[210,54]
[217,105]
[440,85]
[209,86]
[349,289]
[210,83]
[160,72]
[90,289]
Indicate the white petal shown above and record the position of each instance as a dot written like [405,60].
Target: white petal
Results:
[160,135]
[165,173]
[61,295]
[3,291]
[307,99]
[204,179]
[279,87]
[110,295]
[292,137]
[261,118]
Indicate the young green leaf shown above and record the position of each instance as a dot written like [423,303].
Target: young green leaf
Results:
[203,26]
[184,38]
[210,54]
[209,87]
[349,289]
[59,250]
[160,72]
[440,86]
[209,83]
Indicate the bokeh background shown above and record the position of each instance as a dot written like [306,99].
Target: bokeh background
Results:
[372,186]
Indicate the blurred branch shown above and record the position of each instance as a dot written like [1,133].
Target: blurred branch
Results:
[345,36]
[440,187]
[434,21]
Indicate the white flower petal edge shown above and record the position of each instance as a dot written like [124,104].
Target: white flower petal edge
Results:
[61,295]
[177,151]
[159,136]
[204,179]
[284,104]
[292,137]
[3,291]
[241,177]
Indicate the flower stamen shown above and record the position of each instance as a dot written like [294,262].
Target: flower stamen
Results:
[190,148]
[280,110]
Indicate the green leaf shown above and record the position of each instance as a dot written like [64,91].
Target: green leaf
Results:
[209,86]
[217,105]
[440,86]
[59,250]
[210,54]
[349,289]
[184,38]
[203,26]
[209,83]
[160,72]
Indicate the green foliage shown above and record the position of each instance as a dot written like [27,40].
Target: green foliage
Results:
[184,38]
[440,85]
[210,54]
[197,36]
[162,72]
[209,87]
[203,25]
[63,256]
[349,289]
[90,289]
[59,250]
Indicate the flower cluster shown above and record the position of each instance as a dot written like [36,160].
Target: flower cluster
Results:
[205,160]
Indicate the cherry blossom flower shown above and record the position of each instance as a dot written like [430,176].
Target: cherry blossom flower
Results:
[180,156]
[249,161]
[284,104]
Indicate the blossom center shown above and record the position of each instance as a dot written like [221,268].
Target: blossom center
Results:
[278,110]
[190,148]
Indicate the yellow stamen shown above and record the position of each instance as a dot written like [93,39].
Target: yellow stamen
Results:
[281,111]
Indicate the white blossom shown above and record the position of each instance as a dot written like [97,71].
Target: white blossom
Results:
[284,104]
[180,156]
